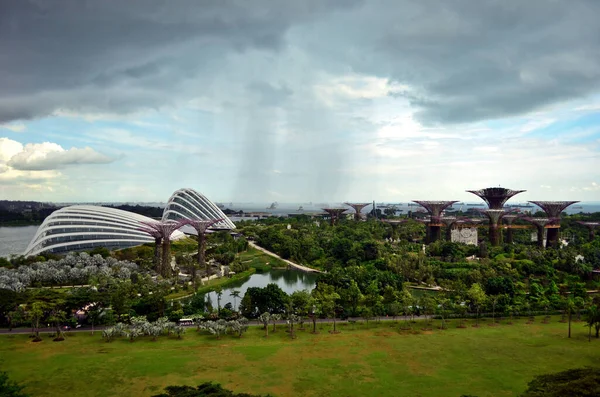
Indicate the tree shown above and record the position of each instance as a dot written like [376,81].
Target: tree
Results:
[477,298]
[206,389]
[592,319]
[265,318]
[301,303]
[36,313]
[329,305]
[9,388]
[579,382]
[235,294]
[570,306]
[406,301]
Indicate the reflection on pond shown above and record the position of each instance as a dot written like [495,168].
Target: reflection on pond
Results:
[288,280]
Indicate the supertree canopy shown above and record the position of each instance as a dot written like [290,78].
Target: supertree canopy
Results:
[509,218]
[394,223]
[495,197]
[163,230]
[435,209]
[334,214]
[449,222]
[553,209]
[357,208]
[201,226]
[591,228]
[540,224]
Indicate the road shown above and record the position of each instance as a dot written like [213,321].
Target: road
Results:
[290,263]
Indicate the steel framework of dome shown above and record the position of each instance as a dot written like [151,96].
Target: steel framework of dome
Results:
[191,204]
[84,227]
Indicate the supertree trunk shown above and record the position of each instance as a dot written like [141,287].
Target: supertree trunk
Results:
[540,236]
[166,259]
[494,239]
[157,262]
[201,251]
[435,233]
[552,237]
[509,235]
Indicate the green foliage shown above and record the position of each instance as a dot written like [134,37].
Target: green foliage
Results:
[206,389]
[580,382]
[9,388]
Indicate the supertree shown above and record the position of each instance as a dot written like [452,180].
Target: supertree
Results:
[201,226]
[540,224]
[394,223]
[449,222]
[553,209]
[495,218]
[509,218]
[357,208]
[591,228]
[334,214]
[495,197]
[435,209]
[163,230]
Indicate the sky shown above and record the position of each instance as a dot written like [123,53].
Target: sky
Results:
[298,101]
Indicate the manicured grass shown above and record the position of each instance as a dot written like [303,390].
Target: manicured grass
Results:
[260,261]
[377,360]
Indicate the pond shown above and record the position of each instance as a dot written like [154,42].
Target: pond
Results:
[288,280]
[14,239]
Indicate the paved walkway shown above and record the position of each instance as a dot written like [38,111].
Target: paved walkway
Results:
[290,263]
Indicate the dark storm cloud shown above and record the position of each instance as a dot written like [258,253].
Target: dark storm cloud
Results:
[470,60]
[462,60]
[86,53]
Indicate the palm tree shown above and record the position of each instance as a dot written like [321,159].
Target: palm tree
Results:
[570,306]
[236,294]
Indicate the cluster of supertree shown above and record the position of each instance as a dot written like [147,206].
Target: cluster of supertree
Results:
[72,269]
[162,231]
[495,198]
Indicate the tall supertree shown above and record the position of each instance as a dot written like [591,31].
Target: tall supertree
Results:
[201,226]
[163,229]
[495,218]
[357,208]
[495,197]
[553,209]
[435,209]
[540,224]
[591,228]
[334,214]
[394,223]
[509,218]
[449,222]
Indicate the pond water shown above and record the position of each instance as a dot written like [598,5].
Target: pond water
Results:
[14,240]
[288,280]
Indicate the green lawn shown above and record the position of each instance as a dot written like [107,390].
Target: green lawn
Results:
[378,361]
[259,260]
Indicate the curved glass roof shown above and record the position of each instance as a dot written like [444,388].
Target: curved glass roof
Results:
[191,204]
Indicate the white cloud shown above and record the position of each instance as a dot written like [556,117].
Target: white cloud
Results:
[14,127]
[50,156]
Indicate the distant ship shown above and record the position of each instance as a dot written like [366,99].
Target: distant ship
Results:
[301,208]
[476,205]
[273,206]
[220,205]
[577,207]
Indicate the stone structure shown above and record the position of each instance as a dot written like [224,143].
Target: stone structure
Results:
[465,235]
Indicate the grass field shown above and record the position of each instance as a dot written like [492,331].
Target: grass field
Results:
[378,361]
[259,260]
